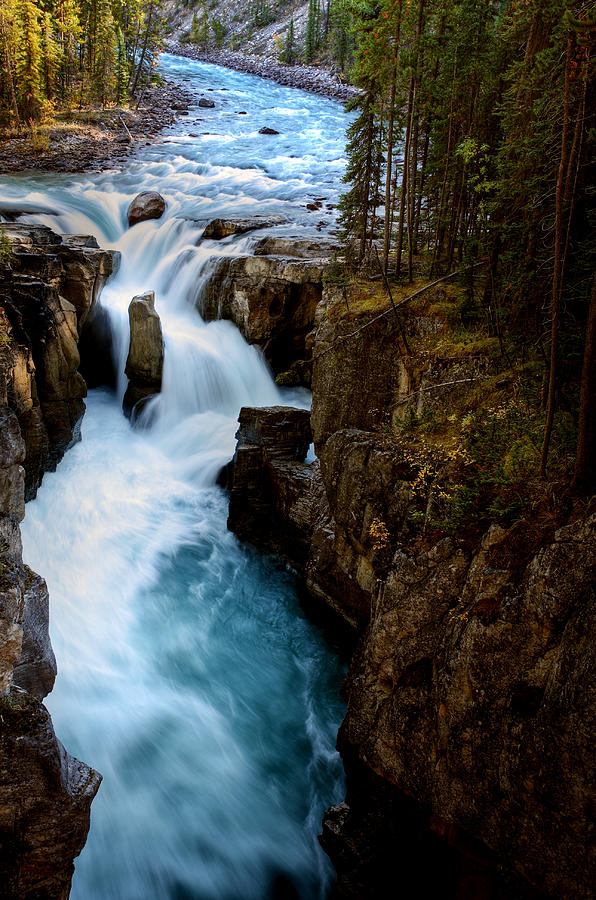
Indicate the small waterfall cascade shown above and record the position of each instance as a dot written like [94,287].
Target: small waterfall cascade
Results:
[188,674]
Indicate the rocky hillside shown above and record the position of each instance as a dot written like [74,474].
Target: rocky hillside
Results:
[471,695]
[249,27]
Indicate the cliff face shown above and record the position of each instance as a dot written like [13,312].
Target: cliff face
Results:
[471,697]
[47,295]
[45,794]
[272,298]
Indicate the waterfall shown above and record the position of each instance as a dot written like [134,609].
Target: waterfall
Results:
[188,674]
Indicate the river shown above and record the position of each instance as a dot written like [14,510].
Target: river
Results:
[188,674]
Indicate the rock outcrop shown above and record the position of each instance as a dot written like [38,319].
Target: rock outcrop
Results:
[144,365]
[471,695]
[146,205]
[272,300]
[46,794]
[47,295]
[46,800]
[218,229]
[267,500]
[280,246]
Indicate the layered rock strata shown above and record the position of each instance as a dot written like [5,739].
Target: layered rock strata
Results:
[272,300]
[45,794]
[471,691]
[47,293]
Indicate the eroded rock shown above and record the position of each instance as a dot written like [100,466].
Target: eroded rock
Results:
[48,294]
[272,300]
[144,365]
[218,229]
[471,695]
[46,800]
[269,495]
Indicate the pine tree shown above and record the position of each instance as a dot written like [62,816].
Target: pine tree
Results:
[121,68]
[312,35]
[51,55]
[70,34]
[289,54]
[358,205]
[29,59]
[104,72]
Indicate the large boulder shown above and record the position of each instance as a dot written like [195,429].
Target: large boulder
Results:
[144,364]
[146,205]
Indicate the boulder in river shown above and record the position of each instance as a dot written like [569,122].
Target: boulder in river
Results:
[146,205]
[144,364]
[204,103]
[266,130]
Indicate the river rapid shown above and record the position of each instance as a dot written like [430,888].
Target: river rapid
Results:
[188,674]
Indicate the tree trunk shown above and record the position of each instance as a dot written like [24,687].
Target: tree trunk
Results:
[584,479]
[388,210]
[557,269]
[404,181]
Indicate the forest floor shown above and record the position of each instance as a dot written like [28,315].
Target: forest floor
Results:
[92,138]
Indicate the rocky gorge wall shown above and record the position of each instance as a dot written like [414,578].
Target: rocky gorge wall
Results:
[468,738]
[471,697]
[48,289]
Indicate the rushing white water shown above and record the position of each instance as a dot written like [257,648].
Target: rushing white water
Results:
[187,673]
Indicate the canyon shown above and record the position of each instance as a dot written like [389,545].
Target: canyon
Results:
[467,691]
[467,739]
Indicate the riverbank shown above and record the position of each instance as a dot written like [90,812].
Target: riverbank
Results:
[306,78]
[93,139]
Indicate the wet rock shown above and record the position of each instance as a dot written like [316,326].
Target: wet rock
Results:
[48,294]
[45,794]
[36,670]
[266,130]
[218,229]
[270,481]
[274,246]
[144,364]
[146,205]
[205,103]
[272,300]
[46,800]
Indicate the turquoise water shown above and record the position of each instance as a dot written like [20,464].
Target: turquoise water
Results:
[188,674]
